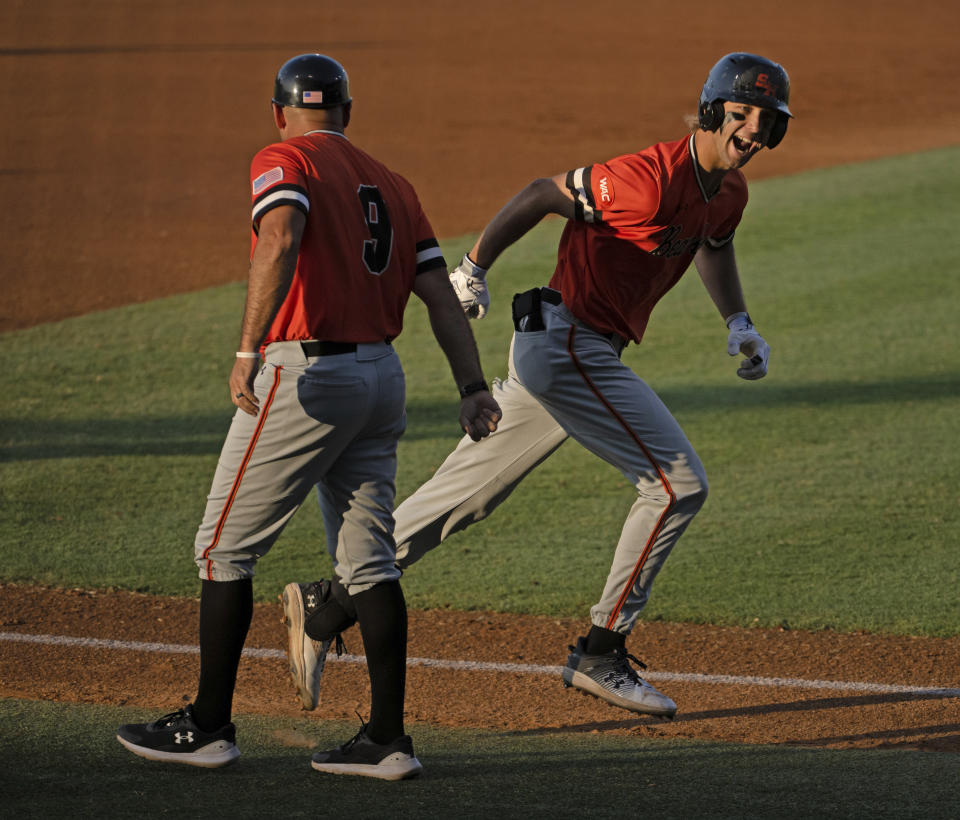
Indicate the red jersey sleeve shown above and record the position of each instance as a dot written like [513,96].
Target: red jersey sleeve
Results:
[622,191]
[277,177]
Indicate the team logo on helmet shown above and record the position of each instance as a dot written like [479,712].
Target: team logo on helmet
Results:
[766,86]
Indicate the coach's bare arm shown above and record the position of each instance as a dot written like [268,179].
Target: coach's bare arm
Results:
[271,272]
[479,412]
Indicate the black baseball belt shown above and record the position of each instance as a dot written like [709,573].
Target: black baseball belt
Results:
[316,348]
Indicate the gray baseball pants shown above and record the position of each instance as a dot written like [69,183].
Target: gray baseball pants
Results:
[326,421]
[568,380]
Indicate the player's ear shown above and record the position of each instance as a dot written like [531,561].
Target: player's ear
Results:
[279,119]
[346,114]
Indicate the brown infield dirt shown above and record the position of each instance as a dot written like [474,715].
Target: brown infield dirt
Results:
[127,132]
[507,701]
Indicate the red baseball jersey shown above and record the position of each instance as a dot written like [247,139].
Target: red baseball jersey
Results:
[365,240]
[640,218]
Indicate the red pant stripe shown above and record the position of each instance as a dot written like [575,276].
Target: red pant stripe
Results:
[660,474]
[261,420]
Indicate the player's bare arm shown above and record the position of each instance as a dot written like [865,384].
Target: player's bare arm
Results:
[271,271]
[718,271]
[479,412]
[541,197]
[519,215]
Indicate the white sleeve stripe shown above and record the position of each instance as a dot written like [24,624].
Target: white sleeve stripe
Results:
[582,195]
[429,253]
[279,197]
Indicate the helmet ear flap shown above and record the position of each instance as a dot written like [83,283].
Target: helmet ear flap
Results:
[711,115]
[779,130]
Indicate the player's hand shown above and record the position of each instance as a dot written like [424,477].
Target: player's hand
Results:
[470,284]
[479,415]
[744,339]
[241,385]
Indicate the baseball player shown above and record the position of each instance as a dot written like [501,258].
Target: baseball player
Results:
[339,243]
[635,223]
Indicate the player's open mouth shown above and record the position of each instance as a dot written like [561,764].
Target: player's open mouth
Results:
[744,146]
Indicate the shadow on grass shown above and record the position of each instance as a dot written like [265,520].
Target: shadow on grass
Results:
[203,434]
[768,393]
[38,438]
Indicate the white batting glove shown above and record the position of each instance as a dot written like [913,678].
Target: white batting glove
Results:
[744,339]
[470,284]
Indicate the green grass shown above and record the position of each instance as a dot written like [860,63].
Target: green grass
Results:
[70,765]
[834,498]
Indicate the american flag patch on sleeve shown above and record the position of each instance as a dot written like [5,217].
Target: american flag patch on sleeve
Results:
[266,179]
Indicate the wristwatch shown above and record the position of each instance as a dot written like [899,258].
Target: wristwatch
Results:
[473,387]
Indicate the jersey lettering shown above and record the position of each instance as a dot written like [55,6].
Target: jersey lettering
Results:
[671,246]
[378,249]
[605,186]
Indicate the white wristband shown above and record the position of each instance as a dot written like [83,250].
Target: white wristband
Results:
[244,354]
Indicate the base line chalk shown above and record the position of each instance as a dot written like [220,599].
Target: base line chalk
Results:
[485,666]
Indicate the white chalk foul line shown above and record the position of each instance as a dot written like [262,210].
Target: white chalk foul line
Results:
[483,666]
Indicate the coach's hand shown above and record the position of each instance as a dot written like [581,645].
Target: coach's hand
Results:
[479,414]
[744,339]
[469,282]
[241,385]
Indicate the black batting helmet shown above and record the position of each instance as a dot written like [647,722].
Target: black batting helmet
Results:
[311,81]
[749,79]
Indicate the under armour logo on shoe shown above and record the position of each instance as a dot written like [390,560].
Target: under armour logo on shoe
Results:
[183,738]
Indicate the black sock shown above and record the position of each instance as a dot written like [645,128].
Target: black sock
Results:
[342,597]
[600,641]
[382,613]
[330,617]
[226,609]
